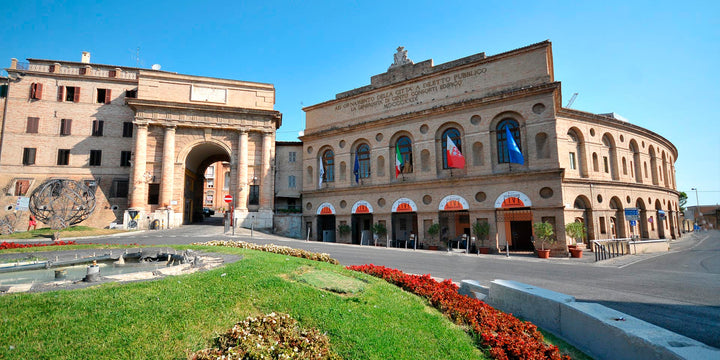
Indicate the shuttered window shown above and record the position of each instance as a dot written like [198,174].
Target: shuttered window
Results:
[127,129]
[28,156]
[32,125]
[65,126]
[125,157]
[68,93]
[21,187]
[103,96]
[95,157]
[97,127]
[36,91]
[63,157]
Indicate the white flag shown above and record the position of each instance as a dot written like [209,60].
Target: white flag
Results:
[322,173]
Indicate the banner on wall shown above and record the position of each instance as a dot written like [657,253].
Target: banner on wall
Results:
[453,202]
[404,205]
[326,209]
[512,199]
[362,207]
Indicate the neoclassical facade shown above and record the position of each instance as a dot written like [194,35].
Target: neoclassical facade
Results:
[577,166]
[141,139]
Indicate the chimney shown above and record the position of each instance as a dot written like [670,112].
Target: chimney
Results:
[85,57]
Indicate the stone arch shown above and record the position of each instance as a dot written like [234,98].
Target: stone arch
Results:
[661,219]
[584,212]
[666,177]
[653,165]
[440,143]
[408,152]
[196,157]
[643,222]
[617,221]
[493,132]
[610,150]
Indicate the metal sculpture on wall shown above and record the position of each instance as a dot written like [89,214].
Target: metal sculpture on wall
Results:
[62,202]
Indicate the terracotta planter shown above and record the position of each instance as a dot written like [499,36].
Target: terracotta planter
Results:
[432,247]
[484,250]
[543,254]
[570,247]
[576,253]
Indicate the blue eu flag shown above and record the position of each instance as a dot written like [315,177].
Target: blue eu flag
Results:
[516,155]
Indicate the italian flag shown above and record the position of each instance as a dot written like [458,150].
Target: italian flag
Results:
[398,161]
[455,158]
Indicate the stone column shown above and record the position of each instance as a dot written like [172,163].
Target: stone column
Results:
[266,175]
[242,190]
[138,186]
[168,167]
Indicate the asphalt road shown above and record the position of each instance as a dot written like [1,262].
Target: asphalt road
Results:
[678,290]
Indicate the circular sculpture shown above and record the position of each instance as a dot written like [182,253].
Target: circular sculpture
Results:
[62,202]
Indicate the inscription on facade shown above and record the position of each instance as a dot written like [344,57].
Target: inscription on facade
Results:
[411,93]
[208,94]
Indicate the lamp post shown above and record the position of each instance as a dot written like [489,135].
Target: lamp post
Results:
[697,206]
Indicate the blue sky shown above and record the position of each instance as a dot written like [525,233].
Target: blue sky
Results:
[653,62]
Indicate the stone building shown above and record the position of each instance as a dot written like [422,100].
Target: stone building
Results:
[142,139]
[288,187]
[577,165]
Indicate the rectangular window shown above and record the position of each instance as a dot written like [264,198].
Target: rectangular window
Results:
[21,187]
[112,73]
[211,183]
[254,196]
[153,194]
[95,157]
[573,164]
[63,157]
[210,172]
[209,199]
[291,181]
[103,96]
[132,94]
[605,164]
[292,156]
[97,127]
[65,126]
[603,230]
[125,157]
[28,156]
[36,91]
[120,188]
[69,93]
[32,125]
[127,129]
[226,183]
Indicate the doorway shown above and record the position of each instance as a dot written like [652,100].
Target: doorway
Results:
[361,228]
[403,224]
[521,236]
[326,228]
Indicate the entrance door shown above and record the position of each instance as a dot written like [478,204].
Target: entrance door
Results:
[361,228]
[521,235]
[403,224]
[326,228]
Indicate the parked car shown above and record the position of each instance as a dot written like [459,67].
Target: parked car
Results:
[207,212]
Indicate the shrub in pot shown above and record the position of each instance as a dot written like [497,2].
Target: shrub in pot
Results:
[544,233]
[481,231]
[576,230]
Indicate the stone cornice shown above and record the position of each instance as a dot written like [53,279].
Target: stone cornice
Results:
[504,95]
[620,183]
[615,123]
[86,78]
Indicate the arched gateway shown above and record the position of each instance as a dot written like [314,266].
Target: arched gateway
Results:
[185,123]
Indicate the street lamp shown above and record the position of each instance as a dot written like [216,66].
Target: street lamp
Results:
[697,206]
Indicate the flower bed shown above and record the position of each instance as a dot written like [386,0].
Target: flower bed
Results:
[11,245]
[506,336]
[282,250]
[273,336]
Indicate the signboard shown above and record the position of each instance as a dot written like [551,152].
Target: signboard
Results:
[22,203]
[453,202]
[632,214]
[633,222]
[228,198]
[362,207]
[404,205]
[661,215]
[326,209]
[512,199]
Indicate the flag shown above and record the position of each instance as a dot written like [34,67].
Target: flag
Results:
[455,158]
[356,168]
[399,163]
[514,152]
[322,173]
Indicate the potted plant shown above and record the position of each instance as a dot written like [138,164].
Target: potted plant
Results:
[433,230]
[379,230]
[576,230]
[343,230]
[481,231]
[544,232]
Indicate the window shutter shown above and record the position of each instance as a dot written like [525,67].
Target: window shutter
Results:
[77,94]
[52,68]
[61,93]
[112,73]
[108,96]
[32,125]
[83,71]
[36,91]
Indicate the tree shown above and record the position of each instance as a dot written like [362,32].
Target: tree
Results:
[433,230]
[481,230]
[343,229]
[62,203]
[544,232]
[379,229]
[682,201]
[576,230]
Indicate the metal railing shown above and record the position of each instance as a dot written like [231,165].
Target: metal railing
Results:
[610,248]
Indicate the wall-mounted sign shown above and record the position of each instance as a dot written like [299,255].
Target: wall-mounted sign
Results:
[453,202]
[404,205]
[326,209]
[512,199]
[362,207]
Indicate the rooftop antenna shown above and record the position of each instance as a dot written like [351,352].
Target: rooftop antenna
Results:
[137,57]
[572,100]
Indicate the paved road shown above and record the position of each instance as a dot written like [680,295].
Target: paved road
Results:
[679,290]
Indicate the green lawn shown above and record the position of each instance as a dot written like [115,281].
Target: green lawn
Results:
[46,233]
[364,317]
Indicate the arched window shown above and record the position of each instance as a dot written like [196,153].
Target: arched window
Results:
[502,147]
[405,146]
[363,155]
[328,160]
[454,135]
